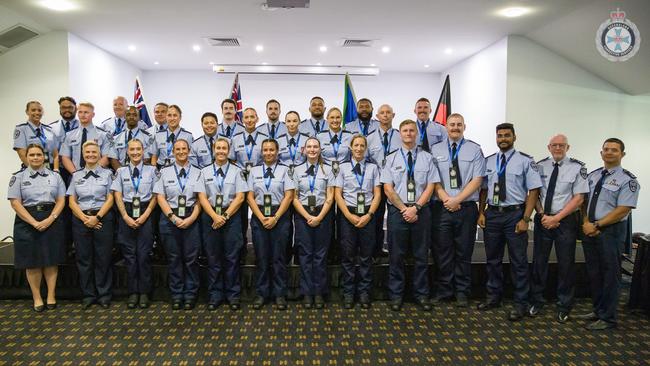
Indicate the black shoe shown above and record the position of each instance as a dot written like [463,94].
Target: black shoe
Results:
[281,303]
[424,304]
[588,316]
[39,308]
[51,306]
[105,304]
[307,302]
[177,305]
[144,301]
[396,305]
[488,306]
[189,305]
[364,300]
[437,300]
[319,302]
[85,304]
[132,301]
[462,301]
[515,315]
[258,303]
[600,325]
[534,310]
[562,317]
[348,302]
[212,306]
[234,304]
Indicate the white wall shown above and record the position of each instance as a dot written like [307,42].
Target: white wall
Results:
[98,77]
[197,92]
[478,92]
[34,70]
[547,94]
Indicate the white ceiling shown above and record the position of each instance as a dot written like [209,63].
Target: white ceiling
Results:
[416,31]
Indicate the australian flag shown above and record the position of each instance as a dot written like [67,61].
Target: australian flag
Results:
[235,94]
[138,101]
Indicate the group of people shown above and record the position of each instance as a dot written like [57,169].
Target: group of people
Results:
[311,184]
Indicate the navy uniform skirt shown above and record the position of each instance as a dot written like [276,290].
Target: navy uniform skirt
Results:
[33,248]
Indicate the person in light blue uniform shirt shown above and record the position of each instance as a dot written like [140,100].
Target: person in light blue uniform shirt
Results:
[292,143]
[161,150]
[313,218]
[133,192]
[37,195]
[91,202]
[613,193]
[461,166]
[118,155]
[271,192]
[510,191]
[247,144]
[364,124]
[180,233]
[35,132]
[201,154]
[116,124]
[229,127]
[160,116]
[564,183]
[316,123]
[409,178]
[358,194]
[274,128]
[70,152]
[68,122]
[429,132]
[222,191]
[335,141]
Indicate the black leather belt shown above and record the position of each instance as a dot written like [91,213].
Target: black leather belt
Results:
[40,207]
[90,212]
[505,208]
[353,209]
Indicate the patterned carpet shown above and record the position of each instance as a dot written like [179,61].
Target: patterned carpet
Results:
[333,336]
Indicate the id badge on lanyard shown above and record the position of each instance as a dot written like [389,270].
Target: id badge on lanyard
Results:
[410,190]
[453,178]
[182,205]
[135,207]
[311,203]
[335,167]
[267,205]
[218,204]
[361,203]
[495,194]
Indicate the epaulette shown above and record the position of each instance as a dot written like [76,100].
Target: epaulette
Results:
[101,129]
[546,158]
[345,131]
[78,170]
[576,161]
[391,153]
[303,163]
[21,169]
[46,126]
[107,119]
[595,170]
[21,124]
[346,161]
[145,132]
[262,133]
[280,164]
[324,163]
[629,174]
[323,131]
[437,143]
[197,139]
[526,155]
[475,143]
[369,161]
[51,123]
[489,156]
[182,129]
[281,136]
[238,133]
[195,166]
[304,134]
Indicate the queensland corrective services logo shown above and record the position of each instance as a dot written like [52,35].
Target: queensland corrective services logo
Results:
[618,39]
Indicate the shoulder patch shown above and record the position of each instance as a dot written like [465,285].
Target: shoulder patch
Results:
[534,166]
[12,181]
[629,174]
[583,172]
[16,133]
[634,185]
[576,161]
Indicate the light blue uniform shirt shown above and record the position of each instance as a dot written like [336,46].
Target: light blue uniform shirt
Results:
[165,150]
[71,146]
[244,153]
[235,128]
[377,152]
[308,126]
[36,187]
[125,182]
[26,133]
[620,188]
[396,172]
[349,181]
[59,129]
[115,126]
[521,176]
[332,152]
[571,180]
[292,154]
[120,144]
[153,130]
[471,164]
[228,185]
[357,126]
[266,128]
[304,182]
[201,154]
[435,132]
[278,184]
[171,186]
[89,190]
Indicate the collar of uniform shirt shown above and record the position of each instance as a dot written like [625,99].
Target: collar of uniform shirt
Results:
[33,125]
[425,122]
[41,171]
[506,153]
[139,166]
[406,150]
[186,167]
[561,162]
[613,170]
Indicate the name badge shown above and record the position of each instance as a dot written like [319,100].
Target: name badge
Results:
[453,178]
[361,203]
[335,167]
[182,204]
[495,195]
[290,172]
[267,205]
[135,207]
[410,191]
[218,204]
[311,203]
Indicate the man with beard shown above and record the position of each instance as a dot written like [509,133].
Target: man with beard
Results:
[364,124]
[118,154]
[116,124]
[274,127]
[510,190]
[316,123]
[160,116]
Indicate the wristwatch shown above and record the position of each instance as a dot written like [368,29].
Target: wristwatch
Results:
[371,214]
[597,225]
[418,207]
[99,217]
[170,214]
[526,219]
[226,216]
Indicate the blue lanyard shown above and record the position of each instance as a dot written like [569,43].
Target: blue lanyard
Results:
[454,157]
[42,137]
[126,136]
[502,169]
[360,181]
[72,125]
[313,125]
[362,129]
[135,185]
[220,180]
[312,180]
[422,131]
[171,145]
[390,138]
[232,130]
[336,146]
[267,181]
[409,169]
[292,152]
[182,181]
[118,127]
[249,152]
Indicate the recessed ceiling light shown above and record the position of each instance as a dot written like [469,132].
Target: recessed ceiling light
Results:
[426,66]
[373,65]
[323,48]
[156,63]
[196,48]
[132,48]
[58,5]
[265,63]
[513,12]
[448,51]
[385,49]
[259,48]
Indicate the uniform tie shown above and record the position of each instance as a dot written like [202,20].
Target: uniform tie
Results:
[220,172]
[292,142]
[594,196]
[454,163]
[311,171]
[502,180]
[136,173]
[317,126]
[268,173]
[410,163]
[272,131]
[171,138]
[334,139]
[211,145]
[84,137]
[357,169]
[161,128]
[228,131]
[129,136]
[425,139]
[38,132]
[365,127]
[66,126]
[91,174]
[37,174]
[385,140]
[182,173]
[548,200]
[249,140]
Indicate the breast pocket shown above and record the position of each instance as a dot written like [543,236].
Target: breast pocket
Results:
[609,193]
[420,176]
[83,189]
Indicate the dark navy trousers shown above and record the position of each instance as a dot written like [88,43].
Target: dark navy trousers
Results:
[356,242]
[312,244]
[136,246]
[182,250]
[94,254]
[271,256]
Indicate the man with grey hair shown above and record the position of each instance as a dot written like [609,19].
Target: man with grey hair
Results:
[564,181]
[116,124]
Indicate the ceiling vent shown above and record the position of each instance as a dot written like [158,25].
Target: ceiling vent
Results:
[287,4]
[222,42]
[357,43]
[15,36]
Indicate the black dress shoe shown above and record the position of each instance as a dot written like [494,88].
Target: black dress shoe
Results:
[234,304]
[38,308]
[319,302]
[144,301]
[132,301]
[462,301]
[307,302]
[348,302]
[281,303]
[424,304]
[396,305]
[105,304]
[85,304]
[600,325]
[588,316]
[212,306]
[534,310]
[177,305]
[515,315]
[364,300]
[51,306]
[258,303]
[562,317]
[488,306]
[189,305]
